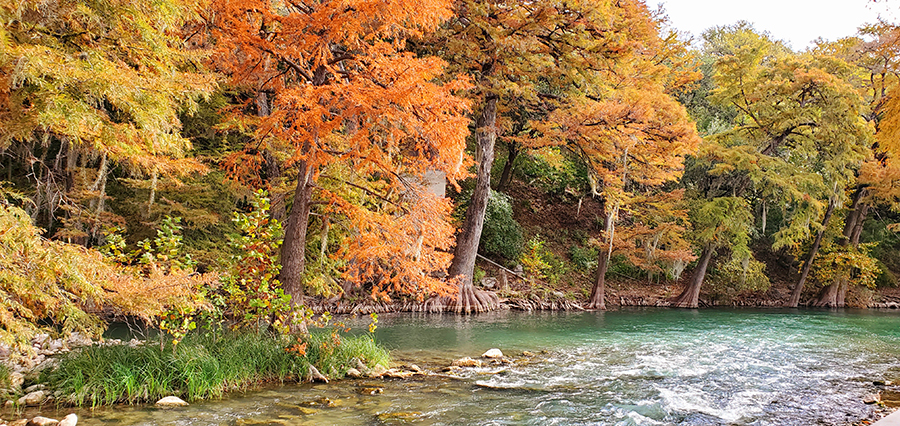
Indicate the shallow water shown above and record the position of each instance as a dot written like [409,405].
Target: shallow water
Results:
[625,367]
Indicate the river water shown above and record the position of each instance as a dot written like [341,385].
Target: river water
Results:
[623,367]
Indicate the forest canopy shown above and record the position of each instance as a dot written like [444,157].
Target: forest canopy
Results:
[256,158]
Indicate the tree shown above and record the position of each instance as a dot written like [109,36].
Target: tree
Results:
[100,81]
[343,92]
[797,138]
[626,125]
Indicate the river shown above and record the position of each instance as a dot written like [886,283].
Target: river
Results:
[623,367]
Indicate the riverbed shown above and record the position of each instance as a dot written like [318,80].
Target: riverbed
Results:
[625,367]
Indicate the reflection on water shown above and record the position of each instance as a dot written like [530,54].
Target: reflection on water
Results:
[627,367]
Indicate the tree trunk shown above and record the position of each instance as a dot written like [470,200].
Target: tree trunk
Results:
[804,273]
[834,294]
[463,265]
[506,176]
[598,292]
[293,250]
[690,297]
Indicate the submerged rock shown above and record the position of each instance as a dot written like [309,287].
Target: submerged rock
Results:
[369,390]
[466,362]
[171,401]
[890,398]
[492,353]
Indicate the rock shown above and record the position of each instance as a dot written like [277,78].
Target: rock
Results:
[377,371]
[527,354]
[489,283]
[883,383]
[360,366]
[42,421]
[16,379]
[22,422]
[9,403]
[398,374]
[307,411]
[890,398]
[33,398]
[872,398]
[171,401]
[354,373]
[466,362]
[492,353]
[39,339]
[69,420]
[34,388]
[315,376]
[369,390]
[415,368]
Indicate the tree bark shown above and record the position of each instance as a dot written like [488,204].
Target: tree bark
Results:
[807,265]
[293,250]
[463,265]
[506,176]
[598,292]
[690,297]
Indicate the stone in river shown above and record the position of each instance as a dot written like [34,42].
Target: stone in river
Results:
[354,373]
[492,353]
[70,420]
[466,362]
[42,421]
[171,401]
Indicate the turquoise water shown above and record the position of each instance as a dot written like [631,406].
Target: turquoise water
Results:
[625,367]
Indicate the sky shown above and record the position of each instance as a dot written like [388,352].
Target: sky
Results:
[797,22]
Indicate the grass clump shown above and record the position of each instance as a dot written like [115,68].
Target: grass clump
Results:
[203,365]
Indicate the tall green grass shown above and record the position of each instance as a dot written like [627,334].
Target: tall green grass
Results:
[202,366]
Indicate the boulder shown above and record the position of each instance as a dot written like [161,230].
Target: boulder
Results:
[466,362]
[492,353]
[354,373]
[171,401]
[415,368]
[69,420]
[42,421]
[33,398]
[21,422]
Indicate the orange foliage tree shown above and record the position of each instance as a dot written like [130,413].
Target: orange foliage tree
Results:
[348,103]
[625,124]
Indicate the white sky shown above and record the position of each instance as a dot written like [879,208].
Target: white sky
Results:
[797,22]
